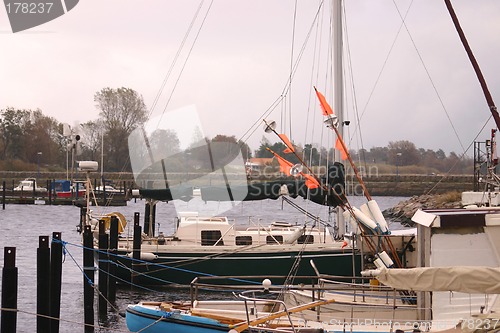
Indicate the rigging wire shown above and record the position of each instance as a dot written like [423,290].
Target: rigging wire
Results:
[382,68]
[430,78]
[291,71]
[174,62]
[176,57]
[188,56]
[315,53]
[354,97]
[286,87]
[461,156]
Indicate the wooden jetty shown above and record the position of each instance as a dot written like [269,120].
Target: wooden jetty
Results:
[51,197]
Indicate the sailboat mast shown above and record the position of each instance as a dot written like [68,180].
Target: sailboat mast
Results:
[474,63]
[338,87]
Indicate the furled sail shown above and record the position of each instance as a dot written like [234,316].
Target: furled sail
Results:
[466,279]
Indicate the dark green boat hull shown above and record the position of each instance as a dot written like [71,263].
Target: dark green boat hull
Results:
[182,269]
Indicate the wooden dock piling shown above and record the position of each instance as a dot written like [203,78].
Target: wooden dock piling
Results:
[88,279]
[136,250]
[103,269]
[55,281]
[3,195]
[113,250]
[8,321]
[42,285]
[49,189]
[149,218]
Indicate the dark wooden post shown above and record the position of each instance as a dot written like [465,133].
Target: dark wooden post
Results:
[43,285]
[148,222]
[3,194]
[49,189]
[136,251]
[83,217]
[55,281]
[88,279]
[9,291]
[103,269]
[113,250]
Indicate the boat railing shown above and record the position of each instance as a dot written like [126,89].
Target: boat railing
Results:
[318,286]
[283,297]
[251,297]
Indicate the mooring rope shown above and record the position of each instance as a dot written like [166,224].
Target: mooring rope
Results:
[62,320]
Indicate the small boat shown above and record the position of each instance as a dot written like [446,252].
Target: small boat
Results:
[249,314]
[107,189]
[64,189]
[28,184]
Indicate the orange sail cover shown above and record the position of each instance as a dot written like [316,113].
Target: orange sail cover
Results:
[288,144]
[285,166]
[340,147]
[327,110]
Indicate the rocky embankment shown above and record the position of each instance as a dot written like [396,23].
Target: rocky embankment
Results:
[404,210]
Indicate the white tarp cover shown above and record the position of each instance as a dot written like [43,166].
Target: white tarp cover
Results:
[466,279]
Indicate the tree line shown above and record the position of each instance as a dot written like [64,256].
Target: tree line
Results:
[29,138]
[401,154]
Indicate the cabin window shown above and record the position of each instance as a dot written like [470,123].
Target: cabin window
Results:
[305,239]
[210,237]
[243,240]
[273,239]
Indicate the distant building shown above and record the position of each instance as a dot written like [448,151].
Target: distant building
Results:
[256,165]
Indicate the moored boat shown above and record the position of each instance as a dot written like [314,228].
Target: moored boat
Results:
[248,314]
[206,246]
[29,185]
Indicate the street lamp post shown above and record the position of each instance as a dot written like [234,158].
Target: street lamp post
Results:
[38,163]
[398,155]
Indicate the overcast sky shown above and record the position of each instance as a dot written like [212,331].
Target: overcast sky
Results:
[241,61]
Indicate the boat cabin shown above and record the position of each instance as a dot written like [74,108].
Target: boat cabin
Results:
[28,184]
[457,237]
[217,231]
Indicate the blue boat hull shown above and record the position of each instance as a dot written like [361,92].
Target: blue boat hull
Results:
[150,320]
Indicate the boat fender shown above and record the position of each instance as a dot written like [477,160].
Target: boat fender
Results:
[379,263]
[352,222]
[147,256]
[366,210]
[386,259]
[378,216]
[293,237]
[368,222]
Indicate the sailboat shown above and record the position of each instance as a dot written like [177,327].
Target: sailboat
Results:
[209,245]
[449,299]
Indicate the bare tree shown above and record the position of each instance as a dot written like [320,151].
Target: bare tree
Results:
[121,111]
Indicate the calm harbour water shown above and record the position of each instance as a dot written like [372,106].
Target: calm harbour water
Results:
[23,224]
